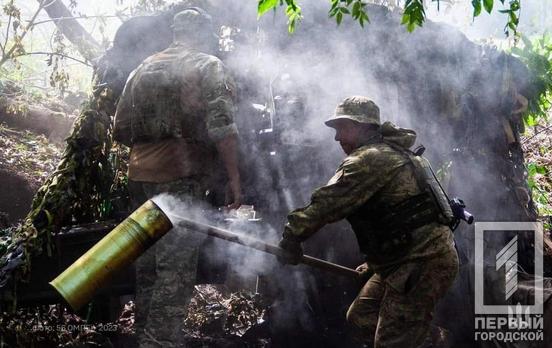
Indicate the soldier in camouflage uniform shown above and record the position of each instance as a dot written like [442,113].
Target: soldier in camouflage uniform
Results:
[176,113]
[400,217]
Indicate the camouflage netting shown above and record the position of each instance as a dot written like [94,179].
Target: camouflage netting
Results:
[78,190]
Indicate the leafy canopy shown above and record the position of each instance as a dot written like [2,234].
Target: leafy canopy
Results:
[413,14]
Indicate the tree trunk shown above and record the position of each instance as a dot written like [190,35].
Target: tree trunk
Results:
[72,30]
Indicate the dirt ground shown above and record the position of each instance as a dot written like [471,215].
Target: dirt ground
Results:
[26,160]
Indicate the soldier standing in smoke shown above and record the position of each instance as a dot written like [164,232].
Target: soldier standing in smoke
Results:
[176,113]
[400,217]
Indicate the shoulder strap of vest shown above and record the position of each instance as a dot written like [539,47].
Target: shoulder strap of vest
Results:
[426,179]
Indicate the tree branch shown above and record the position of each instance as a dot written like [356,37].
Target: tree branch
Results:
[8,55]
[87,46]
[55,54]
[546,129]
[7,35]
[74,17]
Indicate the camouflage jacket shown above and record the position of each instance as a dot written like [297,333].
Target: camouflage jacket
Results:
[374,178]
[177,93]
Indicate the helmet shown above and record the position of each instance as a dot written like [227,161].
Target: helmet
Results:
[357,108]
[192,20]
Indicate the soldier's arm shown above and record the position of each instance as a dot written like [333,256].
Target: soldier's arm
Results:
[219,93]
[355,181]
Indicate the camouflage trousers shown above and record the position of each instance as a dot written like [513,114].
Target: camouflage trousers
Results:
[165,273]
[396,311]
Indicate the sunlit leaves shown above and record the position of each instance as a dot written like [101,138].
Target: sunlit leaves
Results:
[413,15]
[539,195]
[513,16]
[476,4]
[359,13]
[354,8]
[266,5]
[293,12]
[530,121]
[537,56]
[338,9]
[488,5]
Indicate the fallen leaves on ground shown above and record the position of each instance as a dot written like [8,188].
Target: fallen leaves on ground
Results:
[214,312]
[54,326]
[28,154]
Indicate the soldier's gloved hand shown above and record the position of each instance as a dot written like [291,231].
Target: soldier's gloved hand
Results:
[365,273]
[293,250]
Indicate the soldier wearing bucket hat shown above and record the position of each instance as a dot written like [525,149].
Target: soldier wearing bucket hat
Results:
[397,213]
[358,109]
[356,121]
[177,115]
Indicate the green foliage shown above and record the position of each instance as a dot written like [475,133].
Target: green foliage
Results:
[488,5]
[476,7]
[354,8]
[413,15]
[512,12]
[266,5]
[293,11]
[539,191]
[537,56]
[513,16]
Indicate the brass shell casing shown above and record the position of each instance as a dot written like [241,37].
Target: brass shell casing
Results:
[118,249]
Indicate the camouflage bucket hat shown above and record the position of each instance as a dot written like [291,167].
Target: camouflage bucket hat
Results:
[193,20]
[357,108]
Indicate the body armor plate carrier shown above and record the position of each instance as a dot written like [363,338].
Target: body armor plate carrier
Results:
[393,226]
[156,102]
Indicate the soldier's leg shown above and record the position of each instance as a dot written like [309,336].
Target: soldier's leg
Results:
[363,312]
[145,280]
[176,264]
[145,270]
[410,296]
[172,291]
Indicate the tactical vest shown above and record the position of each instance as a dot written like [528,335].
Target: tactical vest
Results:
[155,98]
[383,231]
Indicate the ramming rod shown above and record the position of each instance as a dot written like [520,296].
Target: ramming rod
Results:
[264,247]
